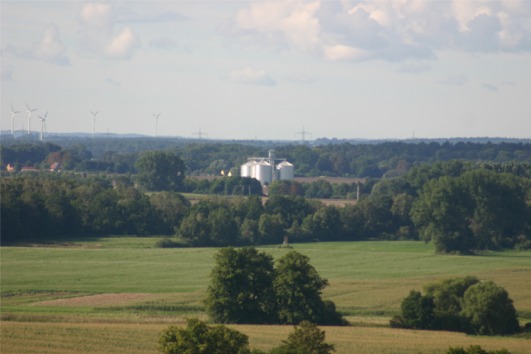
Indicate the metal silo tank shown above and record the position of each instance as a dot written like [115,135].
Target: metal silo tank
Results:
[263,172]
[247,169]
[285,170]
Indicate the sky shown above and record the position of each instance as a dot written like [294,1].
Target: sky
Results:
[282,70]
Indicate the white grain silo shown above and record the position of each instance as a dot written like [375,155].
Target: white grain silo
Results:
[285,170]
[248,169]
[263,171]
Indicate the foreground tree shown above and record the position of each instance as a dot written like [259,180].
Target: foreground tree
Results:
[490,310]
[241,287]
[298,289]
[244,288]
[448,297]
[198,338]
[306,338]
[462,304]
[417,312]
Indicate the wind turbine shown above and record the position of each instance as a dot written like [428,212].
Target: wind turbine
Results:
[156,123]
[94,123]
[29,116]
[13,112]
[43,124]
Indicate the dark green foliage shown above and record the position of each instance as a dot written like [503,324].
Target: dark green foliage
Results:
[241,287]
[171,208]
[478,210]
[475,349]
[298,289]
[417,312]
[461,304]
[448,296]
[160,171]
[244,288]
[490,310]
[306,338]
[199,338]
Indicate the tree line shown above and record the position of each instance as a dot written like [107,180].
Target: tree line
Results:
[461,207]
[386,159]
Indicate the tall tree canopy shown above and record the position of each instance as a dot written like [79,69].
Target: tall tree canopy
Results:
[160,171]
[478,210]
[241,287]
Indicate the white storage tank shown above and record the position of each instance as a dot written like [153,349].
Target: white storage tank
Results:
[263,172]
[285,170]
[248,169]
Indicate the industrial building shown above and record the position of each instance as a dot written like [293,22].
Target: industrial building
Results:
[266,169]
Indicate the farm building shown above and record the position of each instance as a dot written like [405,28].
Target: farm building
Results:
[266,169]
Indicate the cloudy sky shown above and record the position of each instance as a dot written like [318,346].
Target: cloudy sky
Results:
[268,70]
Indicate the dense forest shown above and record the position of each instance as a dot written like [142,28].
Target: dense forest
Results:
[386,159]
[460,206]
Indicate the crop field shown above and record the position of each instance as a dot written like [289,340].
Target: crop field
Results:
[116,295]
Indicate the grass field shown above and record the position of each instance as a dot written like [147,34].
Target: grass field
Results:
[117,294]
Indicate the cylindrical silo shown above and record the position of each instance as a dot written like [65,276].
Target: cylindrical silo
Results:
[263,172]
[285,170]
[247,169]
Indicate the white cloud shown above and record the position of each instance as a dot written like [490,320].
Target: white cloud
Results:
[98,33]
[49,48]
[122,45]
[386,29]
[342,52]
[96,15]
[291,23]
[250,76]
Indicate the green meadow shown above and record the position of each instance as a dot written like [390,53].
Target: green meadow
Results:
[126,285]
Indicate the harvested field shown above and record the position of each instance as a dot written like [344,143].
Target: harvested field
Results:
[121,299]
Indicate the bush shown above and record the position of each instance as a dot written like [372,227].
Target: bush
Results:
[198,338]
[475,349]
[461,304]
[417,312]
[167,242]
[307,338]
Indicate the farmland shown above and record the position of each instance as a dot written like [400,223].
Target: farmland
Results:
[117,294]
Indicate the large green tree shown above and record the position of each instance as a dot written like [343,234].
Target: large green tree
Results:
[298,289]
[478,210]
[160,171]
[417,311]
[199,338]
[490,310]
[241,287]
[306,338]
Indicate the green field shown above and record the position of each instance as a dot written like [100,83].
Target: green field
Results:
[62,296]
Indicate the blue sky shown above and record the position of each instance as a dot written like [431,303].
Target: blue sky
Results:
[265,70]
